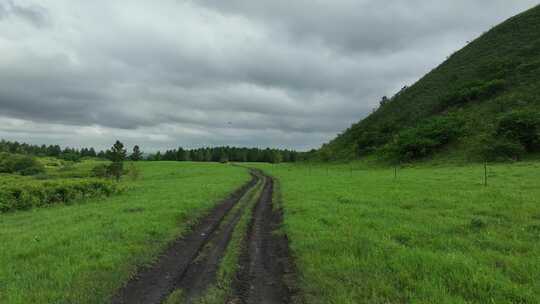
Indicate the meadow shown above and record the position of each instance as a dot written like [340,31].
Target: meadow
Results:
[83,252]
[358,232]
[429,234]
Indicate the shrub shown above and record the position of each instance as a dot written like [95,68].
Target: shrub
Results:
[369,141]
[116,170]
[21,164]
[501,149]
[521,126]
[473,92]
[30,194]
[423,140]
[101,171]
[133,172]
[74,157]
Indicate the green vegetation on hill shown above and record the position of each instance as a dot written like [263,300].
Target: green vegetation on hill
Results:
[483,102]
[434,234]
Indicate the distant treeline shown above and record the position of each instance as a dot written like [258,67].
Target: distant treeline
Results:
[216,154]
[225,154]
[50,150]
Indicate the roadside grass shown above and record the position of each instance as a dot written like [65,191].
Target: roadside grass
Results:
[434,234]
[84,252]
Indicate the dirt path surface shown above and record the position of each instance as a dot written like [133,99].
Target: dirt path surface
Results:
[191,263]
[264,261]
[203,269]
[155,283]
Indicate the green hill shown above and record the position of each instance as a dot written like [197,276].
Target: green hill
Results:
[483,102]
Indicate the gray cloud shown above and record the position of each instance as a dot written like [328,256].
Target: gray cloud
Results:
[34,14]
[193,73]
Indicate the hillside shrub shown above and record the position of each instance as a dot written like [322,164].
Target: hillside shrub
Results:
[423,140]
[501,149]
[30,194]
[473,92]
[369,141]
[521,126]
[20,164]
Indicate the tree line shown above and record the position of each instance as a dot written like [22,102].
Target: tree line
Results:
[214,154]
[226,154]
[48,150]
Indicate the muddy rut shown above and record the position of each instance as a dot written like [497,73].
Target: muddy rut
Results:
[191,263]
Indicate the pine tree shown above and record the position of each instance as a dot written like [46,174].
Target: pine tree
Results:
[117,155]
[137,154]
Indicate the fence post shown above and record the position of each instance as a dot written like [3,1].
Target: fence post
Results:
[485,174]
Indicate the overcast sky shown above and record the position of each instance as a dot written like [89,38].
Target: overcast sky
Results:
[280,73]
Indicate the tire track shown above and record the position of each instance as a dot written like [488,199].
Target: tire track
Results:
[265,262]
[202,272]
[153,284]
[191,263]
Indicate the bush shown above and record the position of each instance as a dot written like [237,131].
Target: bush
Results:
[502,149]
[423,140]
[133,172]
[521,126]
[473,92]
[101,171]
[369,141]
[74,157]
[116,170]
[21,164]
[29,194]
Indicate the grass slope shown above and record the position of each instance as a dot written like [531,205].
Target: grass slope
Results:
[83,253]
[509,53]
[433,235]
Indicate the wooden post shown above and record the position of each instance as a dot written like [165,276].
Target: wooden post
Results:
[485,174]
[395,172]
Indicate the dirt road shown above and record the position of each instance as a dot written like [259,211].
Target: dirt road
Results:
[191,263]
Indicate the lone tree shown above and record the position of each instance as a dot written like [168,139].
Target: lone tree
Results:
[137,154]
[117,155]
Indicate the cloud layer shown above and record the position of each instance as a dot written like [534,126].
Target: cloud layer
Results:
[197,73]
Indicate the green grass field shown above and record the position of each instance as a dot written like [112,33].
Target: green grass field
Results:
[82,253]
[433,235]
